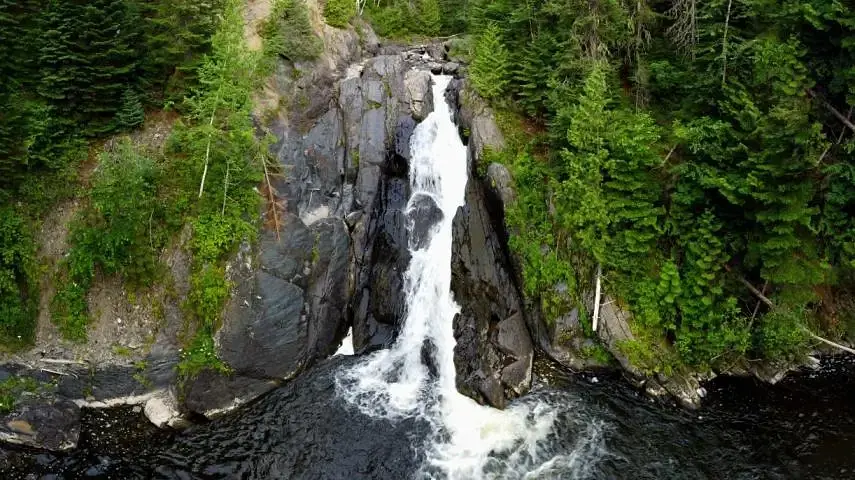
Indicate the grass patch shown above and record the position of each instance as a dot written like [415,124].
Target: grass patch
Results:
[200,355]
[122,351]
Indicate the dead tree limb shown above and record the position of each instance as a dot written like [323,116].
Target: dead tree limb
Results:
[833,110]
[839,139]
[210,139]
[757,307]
[771,305]
[271,198]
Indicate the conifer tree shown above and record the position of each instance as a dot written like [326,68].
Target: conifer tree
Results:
[131,114]
[177,36]
[289,32]
[88,56]
[490,64]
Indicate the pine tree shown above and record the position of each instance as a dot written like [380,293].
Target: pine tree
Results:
[289,32]
[177,36]
[131,115]
[89,57]
[490,67]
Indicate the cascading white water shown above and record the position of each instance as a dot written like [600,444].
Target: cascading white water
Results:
[469,441]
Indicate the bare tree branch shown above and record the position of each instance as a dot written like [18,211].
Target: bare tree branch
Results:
[597,293]
[684,31]
[833,110]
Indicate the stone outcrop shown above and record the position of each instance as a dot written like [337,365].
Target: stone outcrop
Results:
[494,351]
[52,424]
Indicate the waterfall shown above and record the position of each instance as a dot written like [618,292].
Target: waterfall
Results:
[416,376]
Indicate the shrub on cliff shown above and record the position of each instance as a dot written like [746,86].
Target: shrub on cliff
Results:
[18,288]
[289,32]
[339,12]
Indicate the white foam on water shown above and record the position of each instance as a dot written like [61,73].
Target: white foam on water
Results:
[468,441]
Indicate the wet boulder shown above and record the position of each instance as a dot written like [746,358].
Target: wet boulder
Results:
[38,422]
[418,84]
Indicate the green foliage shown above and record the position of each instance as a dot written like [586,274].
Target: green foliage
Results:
[177,36]
[69,310]
[598,353]
[12,388]
[18,284]
[220,139]
[209,291]
[116,230]
[338,13]
[87,54]
[288,32]
[490,64]
[131,114]
[683,162]
[782,335]
[122,351]
[116,233]
[402,19]
[200,355]
[429,17]
[214,236]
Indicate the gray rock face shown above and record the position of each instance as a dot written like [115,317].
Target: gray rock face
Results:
[419,93]
[478,117]
[341,249]
[494,351]
[501,183]
[52,424]
[213,393]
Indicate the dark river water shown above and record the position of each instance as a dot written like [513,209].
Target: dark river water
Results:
[803,427]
